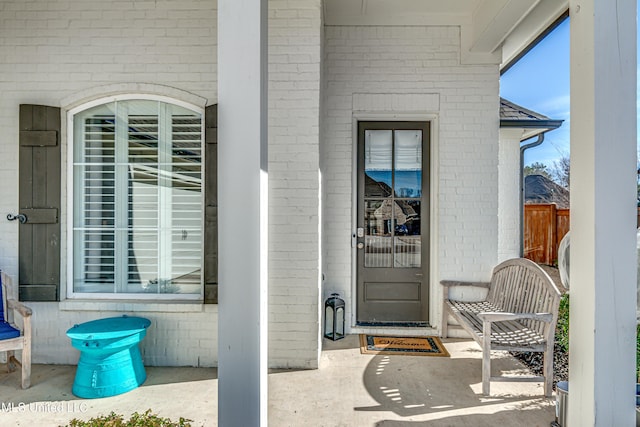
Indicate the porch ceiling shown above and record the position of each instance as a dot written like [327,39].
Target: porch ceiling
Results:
[485,25]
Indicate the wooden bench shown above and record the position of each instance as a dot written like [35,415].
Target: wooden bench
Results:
[519,314]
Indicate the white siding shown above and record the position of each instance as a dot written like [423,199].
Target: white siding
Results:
[63,52]
[413,67]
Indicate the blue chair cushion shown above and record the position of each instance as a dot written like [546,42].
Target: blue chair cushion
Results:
[7,331]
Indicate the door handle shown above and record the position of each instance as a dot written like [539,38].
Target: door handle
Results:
[360,245]
[20,217]
[418,274]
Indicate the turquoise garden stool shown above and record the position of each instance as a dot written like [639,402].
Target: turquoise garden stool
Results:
[110,361]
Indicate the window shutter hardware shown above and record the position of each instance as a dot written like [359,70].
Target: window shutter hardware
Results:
[19,217]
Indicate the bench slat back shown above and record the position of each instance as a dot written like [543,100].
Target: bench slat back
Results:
[521,286]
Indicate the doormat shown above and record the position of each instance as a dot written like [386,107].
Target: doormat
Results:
[405,346]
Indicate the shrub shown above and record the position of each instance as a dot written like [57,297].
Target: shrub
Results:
[562,332]
[137,420]
[562,329]
[638,353]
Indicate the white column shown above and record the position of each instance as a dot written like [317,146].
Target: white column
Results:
[242,199]
[509,185]
[603,218]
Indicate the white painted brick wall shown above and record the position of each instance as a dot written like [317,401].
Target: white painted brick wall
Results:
[509,194]
[294,111]
[176,336]
[402,61]
[52,50]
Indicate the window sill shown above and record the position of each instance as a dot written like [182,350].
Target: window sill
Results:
[132,305]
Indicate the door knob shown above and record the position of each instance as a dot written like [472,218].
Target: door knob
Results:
[360,245]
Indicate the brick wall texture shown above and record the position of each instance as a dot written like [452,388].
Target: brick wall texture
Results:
[52,50]
[55,50]
[414,70]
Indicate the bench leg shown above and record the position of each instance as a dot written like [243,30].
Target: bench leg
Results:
[26,374]
[445,312]
[445,321]
[547,370]
[26,354]
[486,357]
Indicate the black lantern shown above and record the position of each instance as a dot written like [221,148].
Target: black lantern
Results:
[334,317]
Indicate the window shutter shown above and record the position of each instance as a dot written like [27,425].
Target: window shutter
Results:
[39,201]
[211,205]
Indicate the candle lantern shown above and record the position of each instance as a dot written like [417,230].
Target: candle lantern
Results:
[334,317]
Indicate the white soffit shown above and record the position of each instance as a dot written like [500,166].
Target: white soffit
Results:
[531,27]
[484,24]
[494,20]
[398,12]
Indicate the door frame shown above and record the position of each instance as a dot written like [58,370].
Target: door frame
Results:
[435,293]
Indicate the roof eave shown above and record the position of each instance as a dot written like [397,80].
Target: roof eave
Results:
[531,124]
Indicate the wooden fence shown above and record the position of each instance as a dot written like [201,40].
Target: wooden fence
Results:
[544,227]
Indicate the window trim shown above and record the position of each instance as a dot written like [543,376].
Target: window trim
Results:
[70,114]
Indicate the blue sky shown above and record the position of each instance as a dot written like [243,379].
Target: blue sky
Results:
[540,82]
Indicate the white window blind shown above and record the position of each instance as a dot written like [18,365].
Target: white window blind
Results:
[137,195]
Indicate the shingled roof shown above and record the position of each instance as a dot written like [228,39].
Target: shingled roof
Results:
[515,116]
[540,189]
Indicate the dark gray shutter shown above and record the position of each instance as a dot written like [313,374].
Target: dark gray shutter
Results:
[211,205]
[39,201]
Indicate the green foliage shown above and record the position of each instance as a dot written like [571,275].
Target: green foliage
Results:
[638,353]
[537,168]
[562,329]
[562,171]
[137,420]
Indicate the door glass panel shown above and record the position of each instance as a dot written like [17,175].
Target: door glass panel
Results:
[408,163]
[378,156]
[392,160]
[378,237]
[407,242]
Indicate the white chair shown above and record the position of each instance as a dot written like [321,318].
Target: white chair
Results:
[15,336]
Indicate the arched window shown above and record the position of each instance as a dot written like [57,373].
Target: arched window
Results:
[137,194]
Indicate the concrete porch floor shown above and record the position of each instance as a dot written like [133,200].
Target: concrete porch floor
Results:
[349,389]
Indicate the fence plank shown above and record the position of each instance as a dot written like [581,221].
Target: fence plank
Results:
[562,228]
[544,227]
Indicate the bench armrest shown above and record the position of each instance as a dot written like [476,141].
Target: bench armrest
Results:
[448,283]
[19,307]
[502,316]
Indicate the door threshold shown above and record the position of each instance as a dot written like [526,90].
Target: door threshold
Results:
[395,329]
[421,324]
